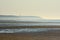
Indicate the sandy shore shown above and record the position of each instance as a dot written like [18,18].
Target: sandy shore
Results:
[14,27]
[49,35]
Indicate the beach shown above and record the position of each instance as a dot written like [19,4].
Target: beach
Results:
[48,35]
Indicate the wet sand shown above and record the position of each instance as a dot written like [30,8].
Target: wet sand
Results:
[49,35]
[14,27]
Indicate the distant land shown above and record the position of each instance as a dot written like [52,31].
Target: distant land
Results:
[13,18]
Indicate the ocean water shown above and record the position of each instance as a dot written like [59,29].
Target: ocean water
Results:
[27,30]
[29,24]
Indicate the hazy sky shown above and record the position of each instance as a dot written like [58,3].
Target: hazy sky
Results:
[48,9]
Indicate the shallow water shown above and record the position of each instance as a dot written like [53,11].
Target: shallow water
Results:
[27,30]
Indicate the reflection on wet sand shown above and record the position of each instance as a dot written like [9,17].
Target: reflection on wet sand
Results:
[48,35]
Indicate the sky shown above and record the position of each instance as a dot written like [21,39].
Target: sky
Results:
[47,9]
